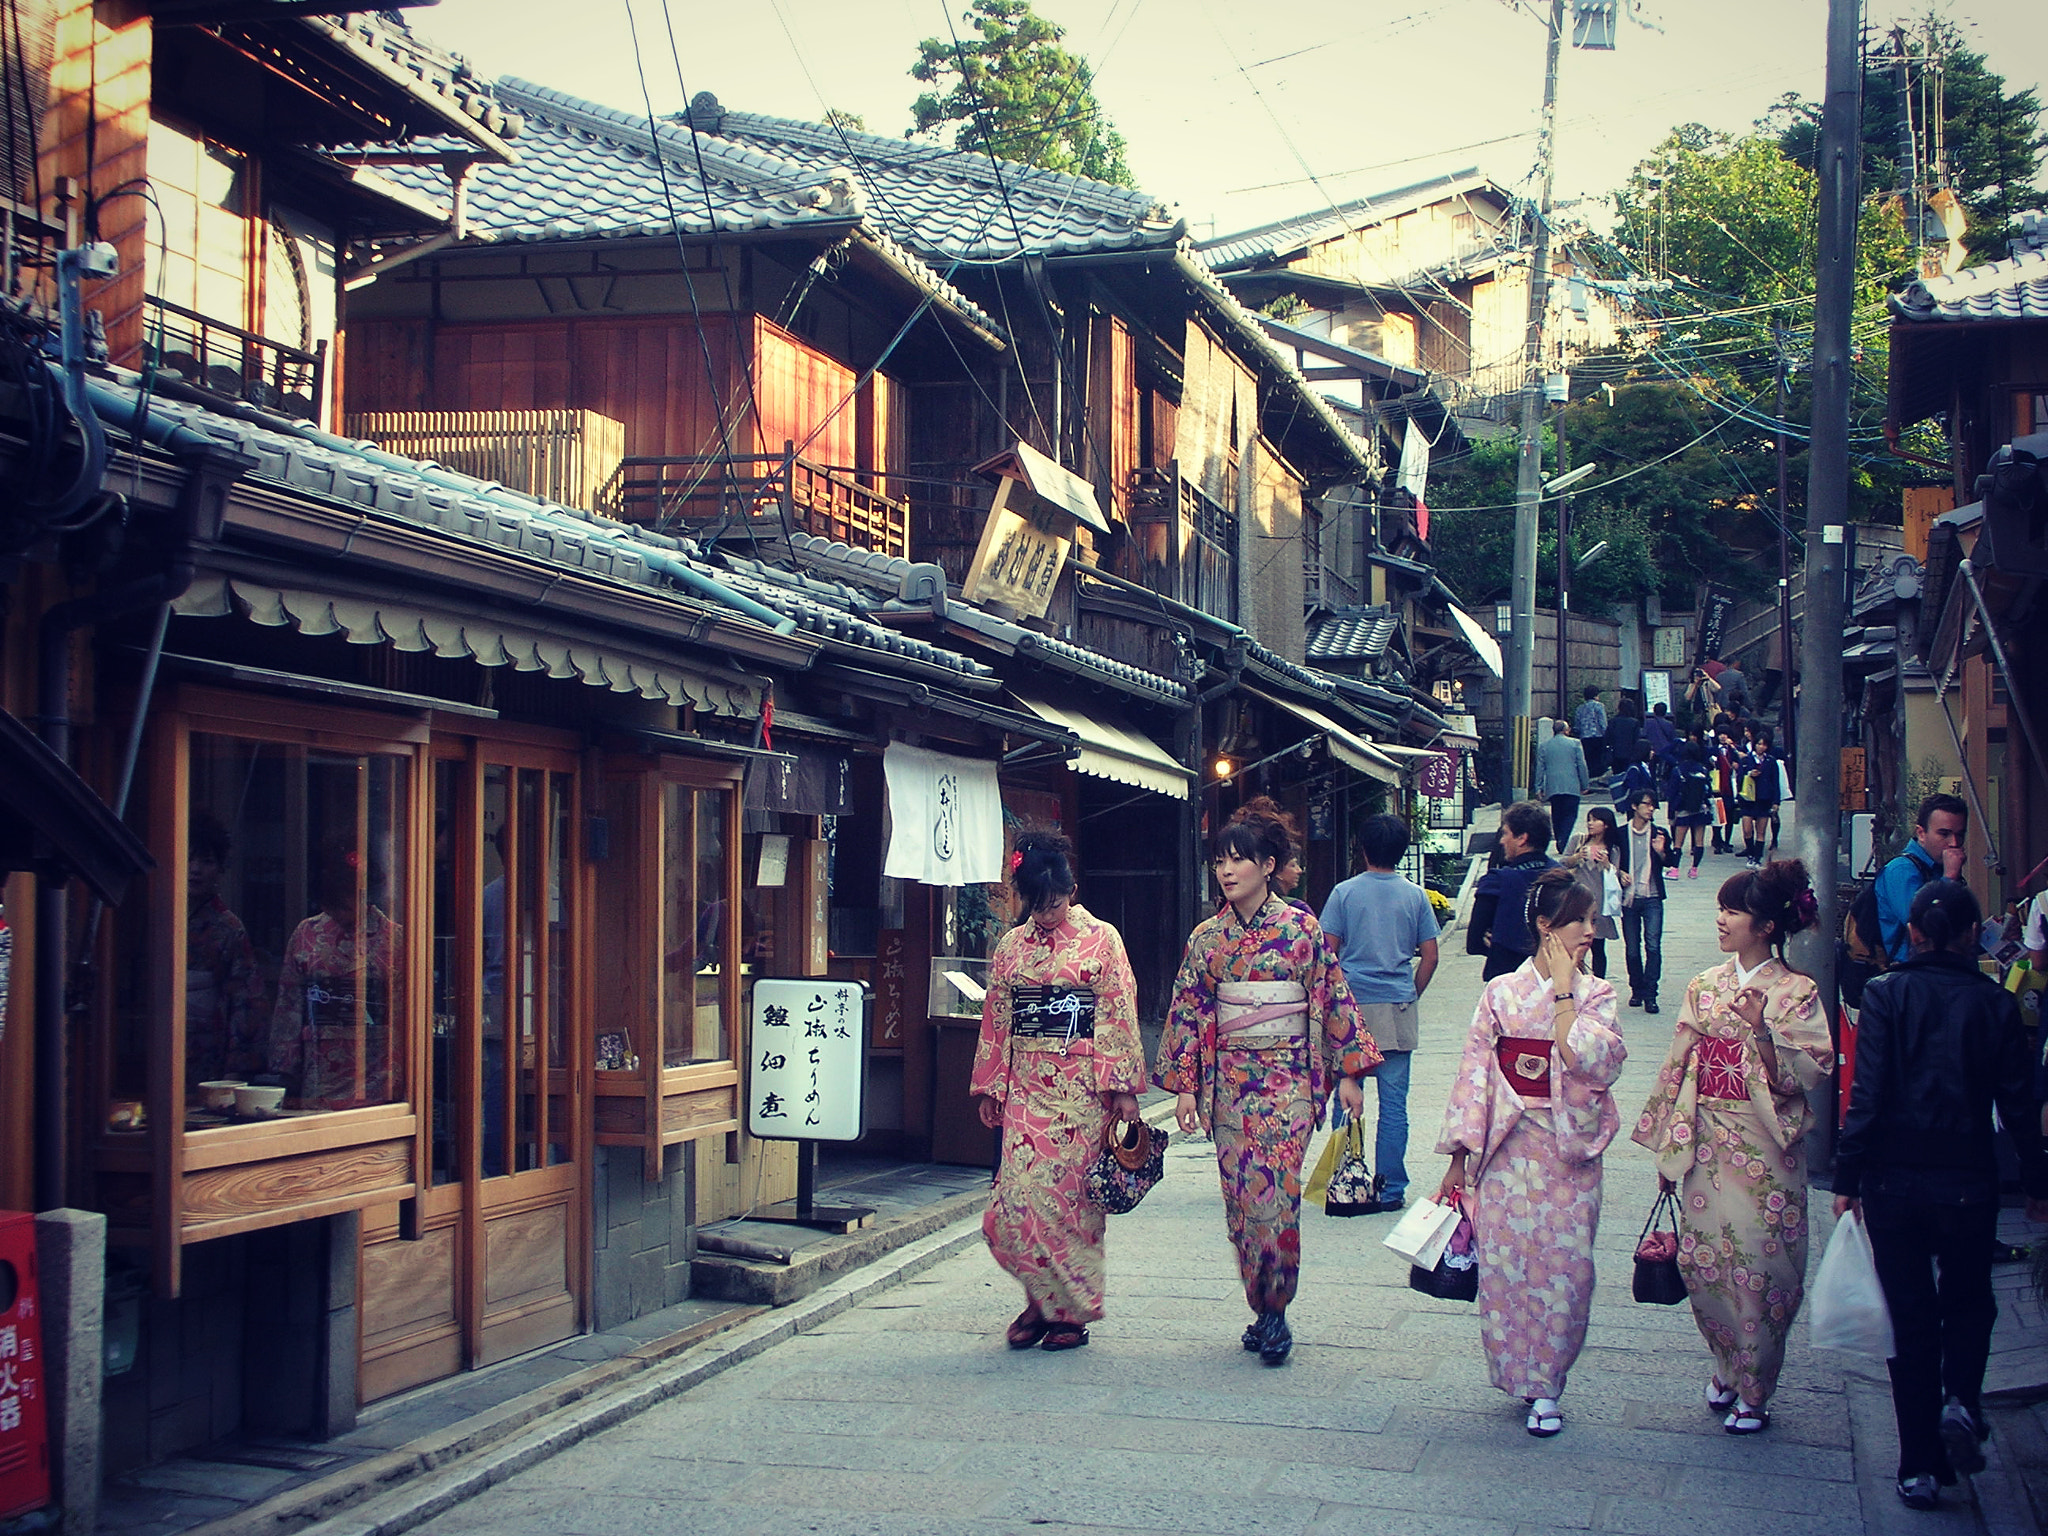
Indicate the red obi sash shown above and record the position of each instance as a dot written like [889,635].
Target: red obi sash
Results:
[1720,1068]
[1526,1064]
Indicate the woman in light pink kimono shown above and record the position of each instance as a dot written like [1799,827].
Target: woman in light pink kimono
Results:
[1530,1115]
[1727,1121]
[1058,1060]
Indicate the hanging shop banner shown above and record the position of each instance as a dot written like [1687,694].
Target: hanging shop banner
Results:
[945,818]
[807,1078]
[1714,610]
[804,781]
[1439,776]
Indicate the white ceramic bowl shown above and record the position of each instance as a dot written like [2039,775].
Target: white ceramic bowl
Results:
[258,1103]
[219,1094]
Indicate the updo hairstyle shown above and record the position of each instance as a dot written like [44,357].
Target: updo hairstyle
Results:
[1946,913]
[1780,894]
[1558,898]
[1042,871]
[1258,830]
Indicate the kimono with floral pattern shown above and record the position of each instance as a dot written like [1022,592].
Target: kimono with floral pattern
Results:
[1534,1169]
[1040,1224]
[223,996]
[1727,1127]
[1262,1104]
[332,1037]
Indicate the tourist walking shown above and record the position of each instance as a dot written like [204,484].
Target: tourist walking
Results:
[1938,1045]
[1499,927]
[1646,852]
[1762,788]
[1623,732]
[1660,734]
[1384,931]
[1592,855]
[1562,779]
[1530,1115]
[1059,1060]
[1262,1024]
[1727,1122]
[1690,793]
[1589,724]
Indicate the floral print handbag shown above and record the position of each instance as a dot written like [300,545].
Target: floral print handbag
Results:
[1129,1164]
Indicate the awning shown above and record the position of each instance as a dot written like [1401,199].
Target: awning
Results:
[1354,751]
[52,822]
[1110,752]
[406,626]
[1484,646]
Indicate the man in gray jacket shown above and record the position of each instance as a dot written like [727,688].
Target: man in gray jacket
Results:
[1561,778]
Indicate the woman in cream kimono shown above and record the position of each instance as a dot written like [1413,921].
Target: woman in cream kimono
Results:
[1059,1058]
[1261,1025]
[1726,1122]
[1530,1116]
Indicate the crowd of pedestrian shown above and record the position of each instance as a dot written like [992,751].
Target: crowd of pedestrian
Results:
[1276,1011]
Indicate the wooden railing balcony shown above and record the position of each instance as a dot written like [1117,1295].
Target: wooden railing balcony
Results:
[782,489]
[566,456]
[1187,541]
[235,364]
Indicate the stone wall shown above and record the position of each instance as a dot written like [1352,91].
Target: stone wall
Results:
[642,1233]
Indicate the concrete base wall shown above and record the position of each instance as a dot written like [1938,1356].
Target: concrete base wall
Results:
[71,1264]
[642,1233]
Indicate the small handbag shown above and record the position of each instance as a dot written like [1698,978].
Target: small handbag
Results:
[1657,1280]
[1128,1166]
[1350,1191]
[1455,1276]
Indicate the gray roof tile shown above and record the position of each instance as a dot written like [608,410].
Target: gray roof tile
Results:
[2015,289]
[1352,634]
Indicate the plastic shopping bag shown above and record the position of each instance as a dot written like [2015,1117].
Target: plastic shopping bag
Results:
[1849,1310]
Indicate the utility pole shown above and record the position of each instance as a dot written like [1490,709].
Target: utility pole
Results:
[1817,827]
[1521,678]
[1564,572]
[1786,669]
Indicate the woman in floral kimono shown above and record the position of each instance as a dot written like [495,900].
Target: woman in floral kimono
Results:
[1529,1118]
[1059,1059]
[1262,1023]
[1726,1122]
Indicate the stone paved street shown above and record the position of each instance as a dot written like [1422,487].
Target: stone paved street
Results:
[907,1416]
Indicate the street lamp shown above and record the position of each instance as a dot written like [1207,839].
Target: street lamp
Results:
[1570,477]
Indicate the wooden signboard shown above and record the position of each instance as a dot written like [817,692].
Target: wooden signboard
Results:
[1923,504]
[1855,788]
[1024,547]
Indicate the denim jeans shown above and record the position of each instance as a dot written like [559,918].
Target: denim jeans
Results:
[1390,1139]
[1642,930]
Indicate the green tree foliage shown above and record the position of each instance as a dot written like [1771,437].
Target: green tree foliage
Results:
[844,121]
[1992,139]
[1011,90]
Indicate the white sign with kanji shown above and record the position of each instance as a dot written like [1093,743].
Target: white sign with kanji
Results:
[807,1066]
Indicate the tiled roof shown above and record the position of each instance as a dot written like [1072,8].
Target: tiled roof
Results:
[587,172]
[1352,634]
[440,79]
[2015,289]
[951,202]
[330,468]
[1283,237]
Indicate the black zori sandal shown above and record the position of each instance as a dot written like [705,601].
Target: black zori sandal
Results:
[1064,1336]
[1027,1330]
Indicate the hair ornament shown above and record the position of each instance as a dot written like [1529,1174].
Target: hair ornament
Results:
[1016,859]
[1806,907]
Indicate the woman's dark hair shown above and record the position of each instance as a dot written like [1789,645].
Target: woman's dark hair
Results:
[1946,913]
[1558,898]
[1258,830]
[1611,836]
[206,838]
[1781,893]
[1044,869]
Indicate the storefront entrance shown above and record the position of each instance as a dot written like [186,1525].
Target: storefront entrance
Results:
[484,1264]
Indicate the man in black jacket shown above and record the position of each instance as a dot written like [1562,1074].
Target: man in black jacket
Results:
[1500,928]
[1938,1043]
[1639,864]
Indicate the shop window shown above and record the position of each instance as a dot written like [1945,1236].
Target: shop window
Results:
[297,929]
[695,915]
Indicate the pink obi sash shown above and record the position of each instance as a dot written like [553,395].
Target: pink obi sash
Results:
[1720,1069]
[1254,1014]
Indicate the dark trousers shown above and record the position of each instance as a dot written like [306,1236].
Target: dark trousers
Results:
[1595,748]
[1934,1262]
[1642,932]
[1564,815]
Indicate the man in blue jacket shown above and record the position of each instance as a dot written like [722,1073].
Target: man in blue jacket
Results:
[1499,928]
[1935,853]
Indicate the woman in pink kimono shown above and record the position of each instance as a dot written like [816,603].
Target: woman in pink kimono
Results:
[1727,1122]
[1262,1025]
[1530,1116]
[1059,1059]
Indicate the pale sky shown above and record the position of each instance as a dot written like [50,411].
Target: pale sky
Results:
[1241,111]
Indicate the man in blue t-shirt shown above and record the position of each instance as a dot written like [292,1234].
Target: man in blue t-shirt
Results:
[1385,933]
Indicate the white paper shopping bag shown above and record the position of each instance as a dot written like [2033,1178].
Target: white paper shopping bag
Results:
[1423,1232]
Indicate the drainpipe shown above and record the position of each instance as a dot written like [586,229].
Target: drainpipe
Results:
[202,502]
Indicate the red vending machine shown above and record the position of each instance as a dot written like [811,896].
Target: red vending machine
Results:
[24,1424]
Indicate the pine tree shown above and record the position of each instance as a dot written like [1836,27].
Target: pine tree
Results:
[1015,92]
